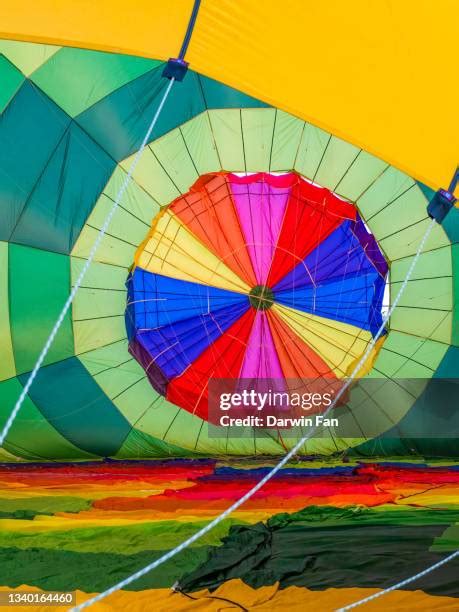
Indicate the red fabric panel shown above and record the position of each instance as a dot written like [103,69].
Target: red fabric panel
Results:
[222,359]
[312,213]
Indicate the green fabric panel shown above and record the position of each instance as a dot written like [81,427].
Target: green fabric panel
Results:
[27,56]
[44,505]
[404,211]
[305,549]
[388,186]
[424,413]
[399,366]
[448,541]
[287,136]
[124,381]
[455,261]
[64,570]
[430,293]
[172,154]
[431,264]
[99,275]
[153,178]
[7,367]
[106,357]
[117,380]
[433,324]
[394,446]
[69,398]
[140,444]
[112,250]
[226,128]
[11,80]
[199,141]
[31,435]
[337,160]
[405,242]
[98,309]
[98,303]
[258,134]
[135,199]
[150,412]
[402,346]
[312,147]
[78,78]
[123,540]
[39,286]
[93,333]
[363,172]
[124,225]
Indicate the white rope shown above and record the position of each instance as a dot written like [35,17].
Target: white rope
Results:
[85,268]
[218,519]
[401,584]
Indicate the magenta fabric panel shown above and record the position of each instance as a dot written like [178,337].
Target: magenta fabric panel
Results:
[260,359]
[261,209]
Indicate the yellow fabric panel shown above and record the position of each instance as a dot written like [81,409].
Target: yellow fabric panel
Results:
[172,250]
[266,599]
[371,73]
[369,361]
[338,344]
[150,29]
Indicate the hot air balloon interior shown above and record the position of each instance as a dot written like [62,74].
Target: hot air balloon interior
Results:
[263,229]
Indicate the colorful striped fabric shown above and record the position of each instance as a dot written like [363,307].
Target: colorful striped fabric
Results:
[83,527]
[261,276]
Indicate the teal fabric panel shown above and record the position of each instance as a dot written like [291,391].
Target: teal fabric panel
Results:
[30,130]
[451,225]
[428,192]
[69,398]
[218,95]
[434,412]
[119,121]
[449,366]
[65,193]
[131,109]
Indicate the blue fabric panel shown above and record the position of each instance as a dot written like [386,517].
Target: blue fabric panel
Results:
[337,281]
[65,194]
[174,347]
[155,300]
[70,399]
[176,320]
[119,121]
[339,255]
[30,130]
[349,299]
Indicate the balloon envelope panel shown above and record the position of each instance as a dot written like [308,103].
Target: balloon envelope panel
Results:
[71,121]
